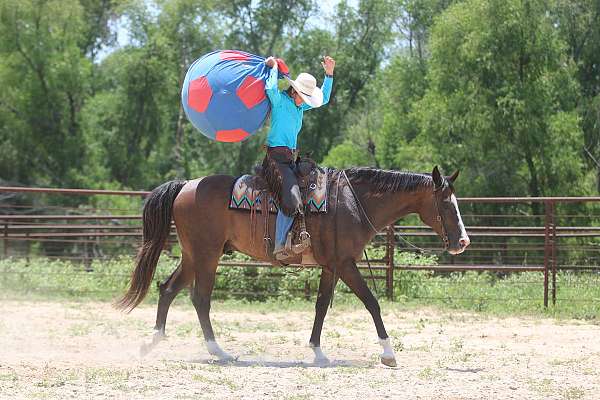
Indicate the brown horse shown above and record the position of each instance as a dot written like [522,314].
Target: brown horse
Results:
[361,202]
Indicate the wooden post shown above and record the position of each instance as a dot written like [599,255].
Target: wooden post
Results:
[307,289]
[389,272]
[553,250]
[547,250]
[5,238]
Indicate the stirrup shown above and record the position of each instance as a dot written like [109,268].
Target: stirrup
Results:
[304,244]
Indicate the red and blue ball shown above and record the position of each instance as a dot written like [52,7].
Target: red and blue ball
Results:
[223,95]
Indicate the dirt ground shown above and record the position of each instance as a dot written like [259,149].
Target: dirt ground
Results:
[60,350]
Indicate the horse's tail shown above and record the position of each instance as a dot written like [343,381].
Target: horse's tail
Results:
[156,229]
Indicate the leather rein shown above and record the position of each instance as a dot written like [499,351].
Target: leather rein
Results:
[438,217]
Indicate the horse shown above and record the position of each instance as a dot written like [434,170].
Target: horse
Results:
[362,202]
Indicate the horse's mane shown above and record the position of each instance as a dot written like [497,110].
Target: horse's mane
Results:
[385,181]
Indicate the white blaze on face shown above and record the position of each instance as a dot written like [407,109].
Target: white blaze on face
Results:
[461,226]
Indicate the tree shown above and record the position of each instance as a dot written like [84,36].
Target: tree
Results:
[502,99]
[44,76]
[579,24]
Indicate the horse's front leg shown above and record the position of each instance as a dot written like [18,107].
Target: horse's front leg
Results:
[326,286]
[351,276]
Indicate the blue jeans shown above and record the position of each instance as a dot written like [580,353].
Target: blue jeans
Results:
[282,227]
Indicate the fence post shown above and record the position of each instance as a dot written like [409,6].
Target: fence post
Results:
[307,289]
[553,249]
[389,272]
[5,238]
[547,250]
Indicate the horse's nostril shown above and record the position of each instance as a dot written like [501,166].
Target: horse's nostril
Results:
[464,242]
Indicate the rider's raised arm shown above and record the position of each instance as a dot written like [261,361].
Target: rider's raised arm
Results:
[328,64]
[271,87]
[326,88]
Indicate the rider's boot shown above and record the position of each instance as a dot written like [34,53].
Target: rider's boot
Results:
[284,251]
[303,236]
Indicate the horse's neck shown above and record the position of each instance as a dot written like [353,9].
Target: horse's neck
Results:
[389,207]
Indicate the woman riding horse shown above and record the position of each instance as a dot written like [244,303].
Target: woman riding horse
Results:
[366,201]
[287,110]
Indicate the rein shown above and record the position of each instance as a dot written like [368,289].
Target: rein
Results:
[359,203]
[437,211]
[335,237]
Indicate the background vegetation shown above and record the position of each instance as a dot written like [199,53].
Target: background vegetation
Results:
[505,90]
[489,293]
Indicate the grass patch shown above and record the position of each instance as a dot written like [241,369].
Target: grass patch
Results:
[282,290]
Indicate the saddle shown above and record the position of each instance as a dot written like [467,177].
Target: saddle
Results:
[252,193]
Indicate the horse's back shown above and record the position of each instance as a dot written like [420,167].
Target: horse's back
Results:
[200,204]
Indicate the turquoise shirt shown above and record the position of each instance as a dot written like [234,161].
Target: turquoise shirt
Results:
[286,117]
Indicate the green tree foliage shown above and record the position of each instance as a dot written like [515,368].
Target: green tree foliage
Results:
[494,93]
[45,78]
[502,99]
[579,24]
[136,124]
[507,91]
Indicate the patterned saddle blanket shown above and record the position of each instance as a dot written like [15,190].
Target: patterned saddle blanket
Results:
[250,192]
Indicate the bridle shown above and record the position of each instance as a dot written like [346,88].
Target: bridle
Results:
[439,218]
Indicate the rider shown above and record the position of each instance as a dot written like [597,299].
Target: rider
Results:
[287,110]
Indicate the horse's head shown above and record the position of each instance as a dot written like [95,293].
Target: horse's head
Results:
[440,211]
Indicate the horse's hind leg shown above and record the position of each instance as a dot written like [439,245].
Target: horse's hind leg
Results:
[168,290]
[205,272]
[179,279]
[326,285]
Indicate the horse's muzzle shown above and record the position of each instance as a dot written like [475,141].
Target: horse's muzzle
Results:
[464,243]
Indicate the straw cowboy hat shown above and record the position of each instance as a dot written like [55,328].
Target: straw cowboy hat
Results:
[306,86]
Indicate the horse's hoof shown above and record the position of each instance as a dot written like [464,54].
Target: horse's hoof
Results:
[148,347]
[321,361]
[389,361]
[226,357]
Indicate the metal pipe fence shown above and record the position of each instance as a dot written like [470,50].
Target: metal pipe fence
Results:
[554,239]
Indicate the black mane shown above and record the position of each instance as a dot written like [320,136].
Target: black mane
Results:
[385,181]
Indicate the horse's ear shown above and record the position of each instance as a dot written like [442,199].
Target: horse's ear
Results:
[437,177]
[453,177]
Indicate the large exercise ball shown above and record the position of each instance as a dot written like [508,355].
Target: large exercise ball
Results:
[223,95]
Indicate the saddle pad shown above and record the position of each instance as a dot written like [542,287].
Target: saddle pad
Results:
[248,193]
[316,196]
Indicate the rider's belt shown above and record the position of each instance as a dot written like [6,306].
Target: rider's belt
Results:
[282,153]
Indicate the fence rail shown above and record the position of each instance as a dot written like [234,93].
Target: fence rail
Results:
[553,234]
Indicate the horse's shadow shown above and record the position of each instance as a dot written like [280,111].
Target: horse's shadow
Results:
[282,364]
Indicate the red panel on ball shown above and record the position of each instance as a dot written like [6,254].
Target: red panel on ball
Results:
[199,94]
[232,135]
[251,91]
[233,55]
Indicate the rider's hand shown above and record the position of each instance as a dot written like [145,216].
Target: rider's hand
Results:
[271,62]
[328,64]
